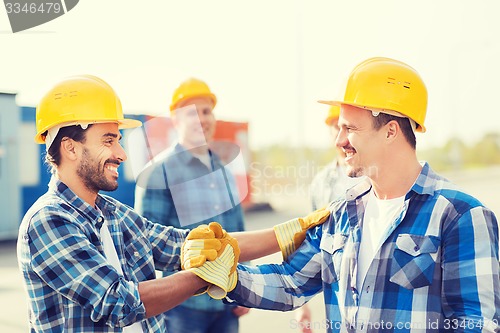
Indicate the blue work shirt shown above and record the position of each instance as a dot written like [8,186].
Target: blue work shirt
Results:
[437,269]
[71,285]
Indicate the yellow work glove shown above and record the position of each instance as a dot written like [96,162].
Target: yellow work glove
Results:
[200,245]
[293,232]
[216,291]
[219,271]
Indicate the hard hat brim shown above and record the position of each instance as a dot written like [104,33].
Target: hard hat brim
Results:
[420,128]
[122,124]
[129,123]
[175,106]
[337,103]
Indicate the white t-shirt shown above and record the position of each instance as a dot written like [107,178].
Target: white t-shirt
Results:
[379,215]
[112,256]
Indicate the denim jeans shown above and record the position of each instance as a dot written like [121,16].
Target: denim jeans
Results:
[185,320]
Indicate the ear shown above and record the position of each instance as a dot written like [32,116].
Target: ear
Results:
[392,130]
[69,149]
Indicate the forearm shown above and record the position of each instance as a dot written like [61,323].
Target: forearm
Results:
[163,294]
[281,291]
[285,286]
[256,244]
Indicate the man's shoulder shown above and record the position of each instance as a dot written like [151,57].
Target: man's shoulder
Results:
[438,191]
[48,207]
[454,194]
[440,186]
[169,155]
[154,172]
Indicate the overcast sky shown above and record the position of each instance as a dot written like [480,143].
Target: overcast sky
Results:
[268,62]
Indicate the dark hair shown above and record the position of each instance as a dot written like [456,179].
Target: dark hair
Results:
[404,124]
[75,132]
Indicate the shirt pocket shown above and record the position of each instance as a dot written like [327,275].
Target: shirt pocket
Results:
[138,254]
[414,260]
[332,249]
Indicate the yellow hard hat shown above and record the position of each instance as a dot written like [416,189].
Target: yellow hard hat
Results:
[385,85]
[83,99]
[333,113]
[189,89]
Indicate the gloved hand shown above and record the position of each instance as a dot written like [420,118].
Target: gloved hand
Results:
[214,290]
[221,270]
[292,233]
[200,245]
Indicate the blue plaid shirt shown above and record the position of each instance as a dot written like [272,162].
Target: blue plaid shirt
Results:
[177,189]
[436,271]
[70,284]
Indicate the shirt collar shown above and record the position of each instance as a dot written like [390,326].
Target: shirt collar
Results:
[358,190]
[186,157]
[425,184]
[64,192]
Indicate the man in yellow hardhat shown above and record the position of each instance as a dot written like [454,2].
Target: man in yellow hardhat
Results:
[88,261]
[197,189]
[403,251]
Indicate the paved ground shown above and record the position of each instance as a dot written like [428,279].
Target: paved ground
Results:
[484,184]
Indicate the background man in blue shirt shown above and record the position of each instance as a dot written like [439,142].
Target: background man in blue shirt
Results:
[187,186]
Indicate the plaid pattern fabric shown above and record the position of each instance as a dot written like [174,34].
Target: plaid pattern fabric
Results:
[177,189]
[437,270]
[70,284]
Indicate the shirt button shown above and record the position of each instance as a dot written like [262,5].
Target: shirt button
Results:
[136,254]
[99,219]
[212,185]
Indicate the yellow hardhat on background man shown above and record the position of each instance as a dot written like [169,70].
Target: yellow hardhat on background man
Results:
[388,86]
[333,114]
[189,89]
[78,100]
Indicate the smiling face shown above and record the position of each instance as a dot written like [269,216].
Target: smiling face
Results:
[362,144]
[195,122]
[100,158]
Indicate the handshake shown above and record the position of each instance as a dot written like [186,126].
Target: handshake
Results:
[212,254]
